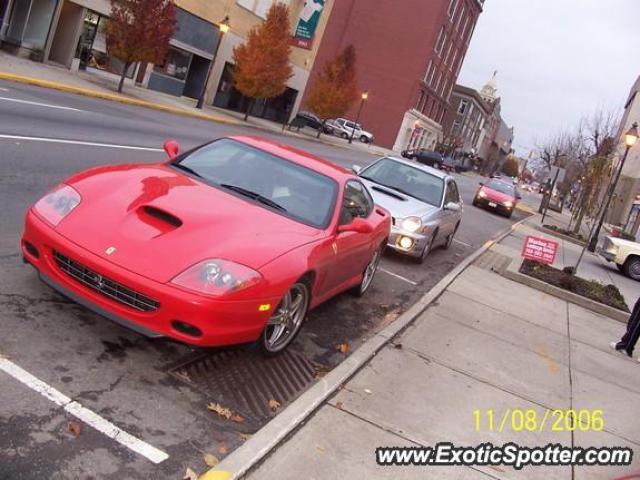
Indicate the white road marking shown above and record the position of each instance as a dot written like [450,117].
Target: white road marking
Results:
[462,243]
[79,142]
[398,276]
[87,416]
[38,104]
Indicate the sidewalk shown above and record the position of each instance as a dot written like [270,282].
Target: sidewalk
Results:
[95,82]
[486,343]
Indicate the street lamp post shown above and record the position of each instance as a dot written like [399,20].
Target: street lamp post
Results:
[629,139]
[363,98]
[223,27]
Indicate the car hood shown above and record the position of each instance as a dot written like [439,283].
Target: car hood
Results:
[160,221]
[398,204]
[624,243]
[497,196]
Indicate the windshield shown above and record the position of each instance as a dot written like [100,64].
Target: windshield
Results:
[406,179]
[275,183]
[501,187]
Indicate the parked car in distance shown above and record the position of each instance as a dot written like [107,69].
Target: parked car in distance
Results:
[624,253]
[424,203]
[231,242]
[498,195]
[451,164]
[424,156]
[345,128]
[308,119]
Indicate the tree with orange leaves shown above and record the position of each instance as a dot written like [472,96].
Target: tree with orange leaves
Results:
[335,89]
[139,31]
[262,65]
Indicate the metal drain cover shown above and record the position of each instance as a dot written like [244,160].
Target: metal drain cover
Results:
[493,261]
[245,381]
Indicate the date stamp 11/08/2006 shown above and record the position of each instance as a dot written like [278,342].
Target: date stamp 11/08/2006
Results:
[532,420]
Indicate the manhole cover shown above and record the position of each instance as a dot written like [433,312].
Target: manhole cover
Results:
[493,261]
[245,381]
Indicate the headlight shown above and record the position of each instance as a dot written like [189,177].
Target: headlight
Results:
[411,224]
[217,277]
[481,194]
[56,205]
[508,204]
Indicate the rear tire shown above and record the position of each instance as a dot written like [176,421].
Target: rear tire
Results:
[368,274]
[364,139]
[631,268]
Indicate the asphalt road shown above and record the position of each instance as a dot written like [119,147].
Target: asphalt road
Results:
[45,136]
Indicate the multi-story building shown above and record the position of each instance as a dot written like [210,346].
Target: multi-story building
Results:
[625,204]
[72,33]
[409,55]
[464,123]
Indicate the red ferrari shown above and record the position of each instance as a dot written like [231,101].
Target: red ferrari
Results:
[231,242]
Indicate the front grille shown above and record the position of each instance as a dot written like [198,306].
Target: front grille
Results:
[105,286]
[393,221]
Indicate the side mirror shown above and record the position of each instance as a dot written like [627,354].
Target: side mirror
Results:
[358,225]
[356,169]
[481,184]
[454,207]
[172,148]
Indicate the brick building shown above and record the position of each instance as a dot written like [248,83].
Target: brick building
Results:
[408,59]
[466,120]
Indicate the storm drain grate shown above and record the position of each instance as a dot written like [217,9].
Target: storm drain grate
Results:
[245,381]
[493,261]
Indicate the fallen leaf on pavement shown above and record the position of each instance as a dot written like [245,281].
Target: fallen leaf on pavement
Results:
[343,347]
[211,460]
[190,475]
[74,427]
[339,405]
[223,450]
[274,404]
[367,391]
[237,418]
[398,346]
[220,410]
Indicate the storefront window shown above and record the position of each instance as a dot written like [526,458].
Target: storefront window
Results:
[176,64]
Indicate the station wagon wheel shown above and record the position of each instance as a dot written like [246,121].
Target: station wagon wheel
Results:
[286,320]
[631,268]
[369,273]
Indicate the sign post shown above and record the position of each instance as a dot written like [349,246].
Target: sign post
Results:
[539,250]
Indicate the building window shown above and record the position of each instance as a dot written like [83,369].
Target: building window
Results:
[452,8]
[175,65]
[449,50]
[442,37]
[462,107]
[441,115]
[464,29]
[424,105]
[460,17]
[429,72]
[471,30]
[437,86]
[420,103]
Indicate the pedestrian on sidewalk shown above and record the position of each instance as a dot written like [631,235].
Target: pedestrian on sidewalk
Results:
[630,338]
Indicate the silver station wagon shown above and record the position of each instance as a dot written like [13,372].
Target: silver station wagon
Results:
[424,202]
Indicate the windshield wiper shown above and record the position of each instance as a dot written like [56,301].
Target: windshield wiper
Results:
[254,195]
[187,169]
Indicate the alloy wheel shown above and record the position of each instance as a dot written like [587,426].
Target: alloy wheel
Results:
[369,272]
[284,324]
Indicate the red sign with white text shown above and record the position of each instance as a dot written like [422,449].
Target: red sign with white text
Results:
[539,249]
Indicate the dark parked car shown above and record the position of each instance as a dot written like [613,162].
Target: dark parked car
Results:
[308,119]
[453,165]
[424,156]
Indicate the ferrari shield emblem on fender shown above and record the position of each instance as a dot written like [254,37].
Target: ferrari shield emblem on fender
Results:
[334,245]
[110,250]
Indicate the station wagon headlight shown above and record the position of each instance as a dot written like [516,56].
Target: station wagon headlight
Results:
[411,224]
[217,277]
[57,204]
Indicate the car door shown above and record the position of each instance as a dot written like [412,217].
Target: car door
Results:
[352,250]
[451,217]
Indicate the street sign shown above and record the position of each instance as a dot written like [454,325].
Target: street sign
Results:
[307,23]
[539,249]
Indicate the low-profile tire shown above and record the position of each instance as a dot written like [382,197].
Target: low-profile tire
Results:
[284,324]
[344,135]
[631,268]
[368,274]
[449,241]
[427,249]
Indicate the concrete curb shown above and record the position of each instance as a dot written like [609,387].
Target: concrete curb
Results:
[240,461]
[562,236]
[513,273]
[111,97]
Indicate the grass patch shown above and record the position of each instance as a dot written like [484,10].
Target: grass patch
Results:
[607,294]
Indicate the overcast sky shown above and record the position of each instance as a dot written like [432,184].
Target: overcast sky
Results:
[557,60]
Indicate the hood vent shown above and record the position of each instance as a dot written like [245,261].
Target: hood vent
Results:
[163,216]
[390,193]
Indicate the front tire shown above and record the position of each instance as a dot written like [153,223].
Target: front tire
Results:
[427,249]
[368,274]
[285,323]
[364,139]
[631,268]
[344,135]
[449,242]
